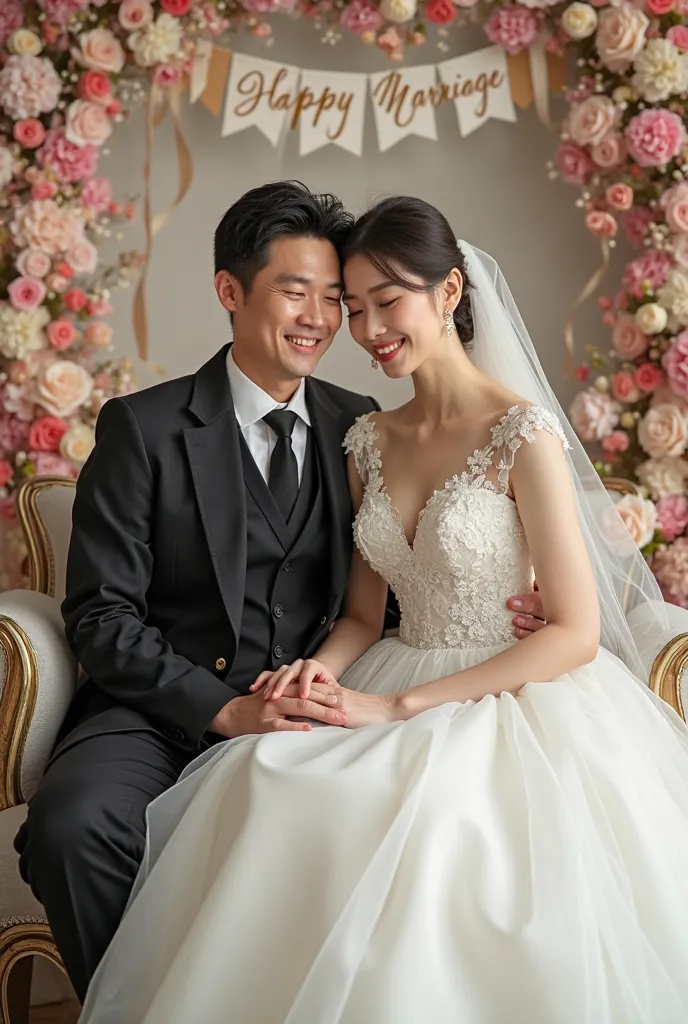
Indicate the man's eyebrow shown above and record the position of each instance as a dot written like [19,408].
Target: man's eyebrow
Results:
[301,279]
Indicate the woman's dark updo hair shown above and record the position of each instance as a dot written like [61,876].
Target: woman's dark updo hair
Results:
[406,234]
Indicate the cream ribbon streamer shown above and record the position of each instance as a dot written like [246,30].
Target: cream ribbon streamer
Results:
[160,103]
[539,76]
[588,289]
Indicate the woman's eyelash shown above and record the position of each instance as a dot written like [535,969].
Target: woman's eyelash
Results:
[386,305]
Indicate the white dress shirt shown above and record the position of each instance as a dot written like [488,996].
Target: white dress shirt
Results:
[251,403]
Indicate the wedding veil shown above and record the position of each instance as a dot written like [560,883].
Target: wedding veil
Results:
[634,620]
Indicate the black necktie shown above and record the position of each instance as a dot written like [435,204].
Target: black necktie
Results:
[283,480]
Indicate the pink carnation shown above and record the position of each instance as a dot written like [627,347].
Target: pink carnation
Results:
[26,293]
[675,362]
[96,194]
[616,442]
[29,87]
[575,166]
[62,10]
[514,27]
[67,161]
[654,137]
[651,269]
[670,566]
[360,17]
[14,433]
[50,464]
[672,515]
[11,18]
[635,224]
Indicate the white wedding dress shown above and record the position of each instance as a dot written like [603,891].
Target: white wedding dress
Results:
[520,860]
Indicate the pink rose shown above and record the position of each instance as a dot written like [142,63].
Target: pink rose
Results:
[97,194]
[610,152]
[42,224]
[29,87]
[176,7]
[83,257]
[619,197]
[591,120]
[441,12]
[675,205]
[575,166]
[593,414]
[101,51]
[94,87]
[99,334]
[627,338]
[659,7]
[360,17]
[670,566]
[654,137]
[616,442]
[134,15]
[620,35]
[33,263]
[69,162]
[648,271]
[166,76]
[57,283]
[648,377]
[672,515]
[61,333]
[600,224]
[51,464]
[99,307]
[635,224]
[87,124]
[26,293]
[29,133]
[11,18]
[75,300]
[43,190]
[46,434]
[678,35]
[624,388]
[675,362]
[62,387]
[513,27]
[6,472]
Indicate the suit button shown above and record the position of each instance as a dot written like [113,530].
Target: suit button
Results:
[287,567]
[323,620]
[278,611]
[278,650]
[220,664]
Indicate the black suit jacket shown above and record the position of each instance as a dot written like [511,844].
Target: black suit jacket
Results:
[157,559]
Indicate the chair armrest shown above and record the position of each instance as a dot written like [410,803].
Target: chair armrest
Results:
[38,678]
[666,678]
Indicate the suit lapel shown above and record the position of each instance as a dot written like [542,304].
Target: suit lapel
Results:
[215,458]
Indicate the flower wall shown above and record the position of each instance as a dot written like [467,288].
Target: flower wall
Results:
[70,70]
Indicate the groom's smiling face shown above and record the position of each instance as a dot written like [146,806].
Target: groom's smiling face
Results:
[288,318]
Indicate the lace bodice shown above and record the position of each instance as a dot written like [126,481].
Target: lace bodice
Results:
[469,553]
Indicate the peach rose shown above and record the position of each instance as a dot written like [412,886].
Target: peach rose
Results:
[82,258]
[87,124]
[62,387]
[619,197]
[591,120]
[640,517]
[99,334]
[101,51]
[601,224]
[134,14]
[620,35]
[627,338]
[61,333]
[662,431]
[77,444]
[610,152]
[624,387]
[675,203]
[33,263]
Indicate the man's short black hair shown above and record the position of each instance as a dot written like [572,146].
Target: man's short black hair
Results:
[277,210]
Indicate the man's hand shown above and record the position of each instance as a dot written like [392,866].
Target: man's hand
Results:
[531,614]
[274,684]
[246,716]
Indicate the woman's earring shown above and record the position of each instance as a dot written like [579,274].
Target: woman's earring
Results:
[449,322]
[374,363]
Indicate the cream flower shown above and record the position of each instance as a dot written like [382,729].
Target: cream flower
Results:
[674,297]
[62,387]
[22,332]
[640,517]
[25,43]
[663,477]
[663,430]
[6,166]
[579,20]
[398,10]
[591,120]
[620,35]
[158,43]
[78,443]
[661,71]
[593,414]
[100,51]
[42,224]
[651,318]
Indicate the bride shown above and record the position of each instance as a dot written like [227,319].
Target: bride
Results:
[499,835]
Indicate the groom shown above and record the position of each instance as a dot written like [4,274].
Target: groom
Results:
[211,541]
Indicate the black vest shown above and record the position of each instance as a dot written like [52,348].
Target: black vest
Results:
[287,572]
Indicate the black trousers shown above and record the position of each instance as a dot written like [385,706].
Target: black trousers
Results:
[84,838]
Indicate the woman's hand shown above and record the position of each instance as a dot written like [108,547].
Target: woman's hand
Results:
[304,672]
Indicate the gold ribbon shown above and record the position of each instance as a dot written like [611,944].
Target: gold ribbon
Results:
[160,103]
[588,289]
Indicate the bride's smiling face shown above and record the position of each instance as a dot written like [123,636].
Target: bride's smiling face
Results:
[399,326]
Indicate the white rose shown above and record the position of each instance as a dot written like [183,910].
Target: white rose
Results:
[579,20]
[640,516]
[398,10]
[663,477]
[6,166]
[63,386]
[87,124]
[620,35]
[651,318]
[158,43]
[661,71]
[25,43]
[100,51]
[78,442]
[591,120]
[663,431]
[22,332]
[674,297]
[83,257]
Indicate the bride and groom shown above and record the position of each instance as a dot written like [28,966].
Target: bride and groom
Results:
[497,833]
